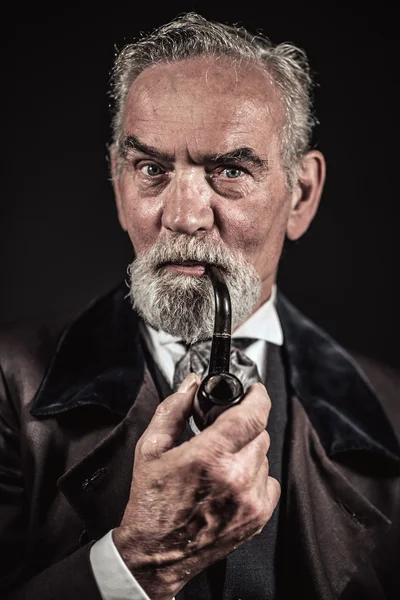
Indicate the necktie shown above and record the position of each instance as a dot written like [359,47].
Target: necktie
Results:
[197,358]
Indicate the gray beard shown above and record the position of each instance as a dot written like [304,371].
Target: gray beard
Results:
[183,305]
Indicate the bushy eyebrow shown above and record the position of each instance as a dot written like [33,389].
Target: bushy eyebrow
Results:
[131,142]
[244,154]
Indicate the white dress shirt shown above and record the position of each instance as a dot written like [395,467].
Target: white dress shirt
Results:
[113,578]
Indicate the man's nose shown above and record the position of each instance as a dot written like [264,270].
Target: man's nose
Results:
[187,205]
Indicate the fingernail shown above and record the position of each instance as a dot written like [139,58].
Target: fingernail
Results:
[188,382]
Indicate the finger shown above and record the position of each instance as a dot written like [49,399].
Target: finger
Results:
[269,495]
[273,491]
[253,455]
[269,488]
[168,422]
[241,423]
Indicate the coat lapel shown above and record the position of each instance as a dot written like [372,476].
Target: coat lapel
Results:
[331,528]
[98,486]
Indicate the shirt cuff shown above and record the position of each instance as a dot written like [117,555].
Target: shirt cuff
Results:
[113,578]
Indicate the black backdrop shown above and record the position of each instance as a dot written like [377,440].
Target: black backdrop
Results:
[60,243]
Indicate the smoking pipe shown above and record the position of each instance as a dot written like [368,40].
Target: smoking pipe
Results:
[220,389]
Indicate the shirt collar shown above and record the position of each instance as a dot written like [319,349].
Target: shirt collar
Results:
[264,323]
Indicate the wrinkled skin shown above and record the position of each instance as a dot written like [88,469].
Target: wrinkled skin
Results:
[190,112]
[191,505]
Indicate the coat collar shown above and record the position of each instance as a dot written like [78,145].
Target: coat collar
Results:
[99,361]
[337,396]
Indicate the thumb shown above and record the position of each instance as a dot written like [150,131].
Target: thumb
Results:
[168,422]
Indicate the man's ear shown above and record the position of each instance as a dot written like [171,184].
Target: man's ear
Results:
[115,178]
[306,194]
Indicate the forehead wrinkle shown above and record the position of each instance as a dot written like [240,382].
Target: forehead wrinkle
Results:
[143,102]
[208,121]
[148,97]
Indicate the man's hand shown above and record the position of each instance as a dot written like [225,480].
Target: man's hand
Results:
[193,504]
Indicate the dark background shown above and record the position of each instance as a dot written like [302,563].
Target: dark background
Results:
[60,242]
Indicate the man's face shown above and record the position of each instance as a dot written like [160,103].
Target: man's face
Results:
[202,159]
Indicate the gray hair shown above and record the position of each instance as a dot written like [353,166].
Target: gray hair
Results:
[191,35]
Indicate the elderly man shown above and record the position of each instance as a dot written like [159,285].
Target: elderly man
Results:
[106,492]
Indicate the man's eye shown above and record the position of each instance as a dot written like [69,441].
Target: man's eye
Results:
[152,170]
[233,172]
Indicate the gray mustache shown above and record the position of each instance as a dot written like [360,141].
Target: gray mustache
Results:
[184,252]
